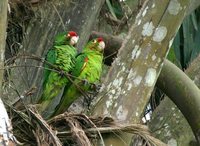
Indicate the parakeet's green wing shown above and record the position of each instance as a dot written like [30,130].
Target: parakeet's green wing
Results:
[50,58]
[64,57]
[81,62]
[71,90]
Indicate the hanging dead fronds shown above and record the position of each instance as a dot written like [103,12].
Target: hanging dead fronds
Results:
[30,128]
[72,129]
[94,127]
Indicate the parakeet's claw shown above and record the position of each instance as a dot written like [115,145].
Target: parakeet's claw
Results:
[85,82]
[92,92]
[88,100]
[95,87]
[62,73]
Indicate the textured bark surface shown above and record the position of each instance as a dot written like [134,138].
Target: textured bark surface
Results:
[51,18]
[139,61]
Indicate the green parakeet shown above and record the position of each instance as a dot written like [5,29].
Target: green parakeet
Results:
[62,55]
[88,67]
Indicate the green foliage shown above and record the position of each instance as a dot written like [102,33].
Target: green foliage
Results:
[111,9]
[171,56]
[133,3]
[115,9]
[186,44]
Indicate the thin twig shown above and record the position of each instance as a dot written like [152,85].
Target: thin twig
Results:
[45,126]
[92,123]
[112,54]
[61,20]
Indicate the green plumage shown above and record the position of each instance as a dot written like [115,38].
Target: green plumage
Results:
[61,39]
[88,67]
[62,56]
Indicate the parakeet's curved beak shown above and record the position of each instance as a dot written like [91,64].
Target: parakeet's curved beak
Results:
[101,45]
[74,40]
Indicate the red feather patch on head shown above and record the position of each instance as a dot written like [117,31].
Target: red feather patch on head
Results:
[72,33]
[99,39]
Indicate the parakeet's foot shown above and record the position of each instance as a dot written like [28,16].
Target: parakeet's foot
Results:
[95,87]
[85,82]
[61,73]
[88,100]
[91,93]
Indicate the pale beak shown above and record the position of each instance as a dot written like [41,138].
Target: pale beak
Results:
[74,40]
[101,45]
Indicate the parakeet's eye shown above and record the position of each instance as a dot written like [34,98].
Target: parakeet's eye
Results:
[94,41]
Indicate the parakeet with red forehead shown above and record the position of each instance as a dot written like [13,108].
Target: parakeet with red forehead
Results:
[61,55]
[88,67]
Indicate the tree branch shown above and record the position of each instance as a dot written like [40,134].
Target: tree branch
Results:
[184,93]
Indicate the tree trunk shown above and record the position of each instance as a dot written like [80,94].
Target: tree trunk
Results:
[133,74]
